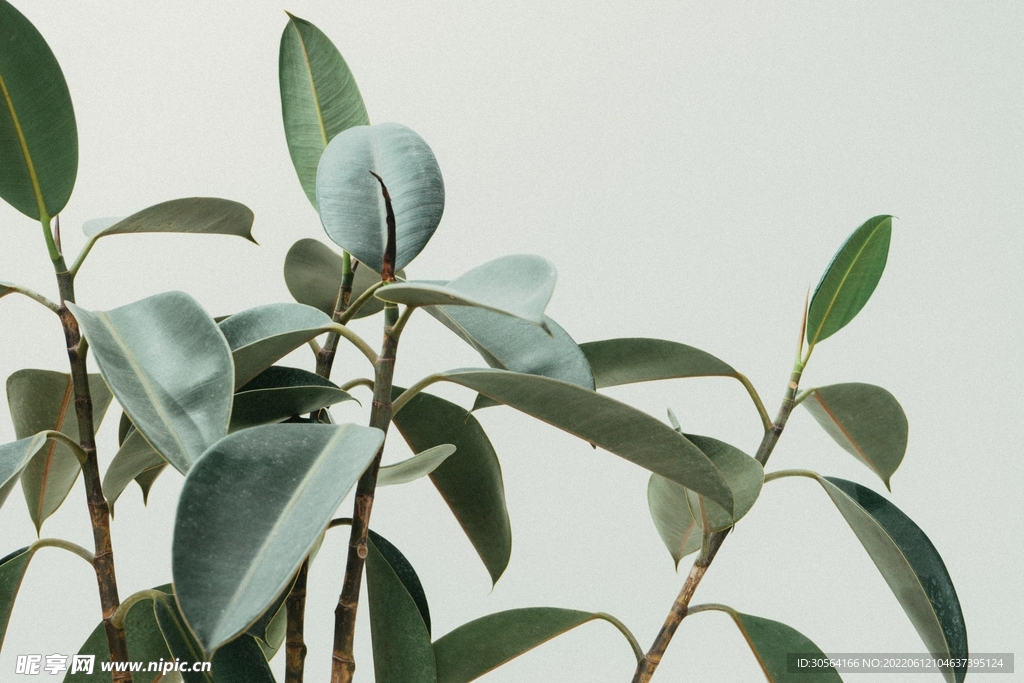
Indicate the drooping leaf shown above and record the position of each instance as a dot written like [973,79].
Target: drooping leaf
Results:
[401,640]
[170,369]
[519,286]
[631,360]
[194,215]
[38,134]
[849,280]
[670,510]
[249,513]
[319,97]
[403,569]
[415,467]
[12,571]
[743,474]
[351,202]
[14,457]
[313,272]
[261,336]
[41,400]
[278,393]
[134,458]
[605,422]
[470,480]
[867,421]
[482,645]
[911,566]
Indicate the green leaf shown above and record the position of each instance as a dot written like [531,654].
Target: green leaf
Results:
[403,569]
[135,458]
[194,215]
[38,134]
[261,336]
[261,628]
[170,369]
[278,393]
[43,400]
[146,478]
[470,480]
[911,566]
[319,97]
[415,467]
[849,280]
[313,271]
[482,645]
[867,421]
[670,510]
[630,360]
[401,640]
[351,202]
[772,642]
[14,457]
[519,286]
[12,571]
[743,474]
[249,513]
[605,422]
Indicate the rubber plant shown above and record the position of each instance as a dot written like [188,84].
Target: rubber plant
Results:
[265,468]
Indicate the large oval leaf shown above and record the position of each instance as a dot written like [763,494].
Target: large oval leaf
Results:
[849,280]
[519,285]
[38,134]
[313,273]
[630,360]
[470,480]
[350,200]
[867,421]
[170,369]
[42,400]
[605,422]
[911,566]
[249,513]
[319,97]
[195,215]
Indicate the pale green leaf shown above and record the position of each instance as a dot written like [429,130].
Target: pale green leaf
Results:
[630,360]
[670,510]
[14,457]
[133,459]
[415,467]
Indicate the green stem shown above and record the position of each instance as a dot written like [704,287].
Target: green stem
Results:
[71,444]
[359,302]
[122,610]
[708,606]
[358,382]
[80,259]
[791,473]
[407,395]
[64,545]
[351,336]
[766,420]
[31,294]
[638,651]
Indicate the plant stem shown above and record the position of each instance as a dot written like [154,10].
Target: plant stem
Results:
[295,644]
[325,357]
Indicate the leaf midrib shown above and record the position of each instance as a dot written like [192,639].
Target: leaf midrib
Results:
[30,166]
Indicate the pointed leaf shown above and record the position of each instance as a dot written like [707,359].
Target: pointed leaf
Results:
[14,457]
[249,513]
[195,215]
[132,460]
[12,571]
[41,400]
[170,369]
[319,97]
[743,474]
[146,478]
[482,645]
[415,467]
[849,280]
[261,336]
[670,510]
[278,393]
[403,569]
[38,134]
[470,480]
[630,360]
[867,421]
[401,640]
[350,200]
[911,566]
[605,422]
[260,629]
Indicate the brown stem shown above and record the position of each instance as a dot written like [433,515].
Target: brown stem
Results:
[99,511]
[325,358]
[295,645]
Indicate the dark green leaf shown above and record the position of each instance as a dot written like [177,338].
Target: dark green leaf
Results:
[670,510]
[630,360]
[41,400]
[743,474]
[403,569]
[470,480]
[278,393]
[12,571]
[313,271]
[849,280]
[38,134]
[319,97]
[146,478]
[867,421]
[134,458]
[250,511]
[170,369]
[195,215]
[14,457]
[415,467]
[350,199]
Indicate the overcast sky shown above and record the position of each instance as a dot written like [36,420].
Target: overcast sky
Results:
[690,168]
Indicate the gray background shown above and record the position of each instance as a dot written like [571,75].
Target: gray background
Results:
[690,168]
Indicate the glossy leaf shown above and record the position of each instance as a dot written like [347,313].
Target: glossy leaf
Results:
[519,286]
[261,336]
[313,271]
[12,571]
[482,645]
[849,280]
[170,369]
[605,422]
[278,393]
[249,513]
[911,566]
[415,467]
[470,480]
[42,400]
[260,629]
[670,510]
[630,360]
[401,640]
[38,134]
[14,457]
[319,97]
[744,475]
[403,569]
[134,458]
[351,202]
[195,215]
[867,421]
